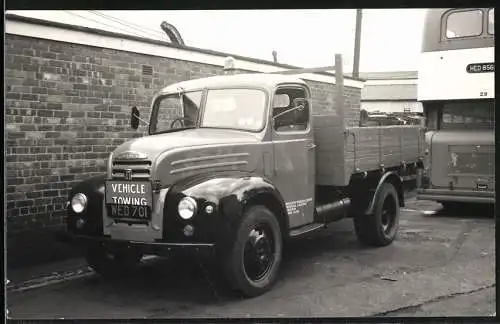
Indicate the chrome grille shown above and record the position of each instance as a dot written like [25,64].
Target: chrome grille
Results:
[139,170]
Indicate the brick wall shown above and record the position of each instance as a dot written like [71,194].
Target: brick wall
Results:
[323,100]
[67,107]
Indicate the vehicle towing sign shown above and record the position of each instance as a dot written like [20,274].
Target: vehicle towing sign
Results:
[129,199]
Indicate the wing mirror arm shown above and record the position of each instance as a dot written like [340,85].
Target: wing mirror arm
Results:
[142,120]
[135,118]
[300,107]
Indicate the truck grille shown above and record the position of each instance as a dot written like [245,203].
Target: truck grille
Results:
[139,170]
[471,160]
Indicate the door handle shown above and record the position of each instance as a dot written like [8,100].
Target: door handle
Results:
[310,146]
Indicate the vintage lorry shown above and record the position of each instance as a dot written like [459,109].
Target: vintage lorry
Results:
[232,168]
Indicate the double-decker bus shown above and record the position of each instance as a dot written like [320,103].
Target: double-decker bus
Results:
[456,85]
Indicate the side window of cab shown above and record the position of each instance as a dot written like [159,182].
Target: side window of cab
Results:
[290,110]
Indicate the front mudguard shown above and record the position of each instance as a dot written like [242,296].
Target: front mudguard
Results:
[93,188]
[227,195]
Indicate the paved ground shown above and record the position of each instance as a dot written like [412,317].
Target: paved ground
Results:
[440,265]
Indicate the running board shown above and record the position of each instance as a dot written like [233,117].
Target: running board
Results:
[306,229]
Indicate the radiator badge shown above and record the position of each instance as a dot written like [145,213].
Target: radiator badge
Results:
[128,174]
[130,155]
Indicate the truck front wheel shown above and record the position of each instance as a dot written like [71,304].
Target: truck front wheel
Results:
[380,228]
[112,264]
[253,261]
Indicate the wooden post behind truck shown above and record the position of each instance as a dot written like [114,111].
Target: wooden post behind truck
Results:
[235,165]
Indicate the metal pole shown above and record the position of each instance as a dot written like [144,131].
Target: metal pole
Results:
[357,44]
[339,90]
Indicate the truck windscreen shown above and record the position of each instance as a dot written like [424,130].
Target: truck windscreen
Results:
[242,109]
[176,111]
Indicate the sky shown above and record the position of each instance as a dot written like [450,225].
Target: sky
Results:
[390,41]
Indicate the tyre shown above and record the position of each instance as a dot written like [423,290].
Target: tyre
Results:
[380,228]
[113,264]
[252,262]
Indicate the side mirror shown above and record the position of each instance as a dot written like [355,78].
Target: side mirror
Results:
[134,118]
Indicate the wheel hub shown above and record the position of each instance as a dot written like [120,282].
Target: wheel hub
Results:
[258,255]
[388,215]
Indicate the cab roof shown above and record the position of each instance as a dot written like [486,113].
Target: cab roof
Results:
[262,80]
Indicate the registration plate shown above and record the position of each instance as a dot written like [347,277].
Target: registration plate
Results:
[126,211]
[481,186]
[129,199]
[480,68]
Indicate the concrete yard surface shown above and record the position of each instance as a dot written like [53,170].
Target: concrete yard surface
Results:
[440,265]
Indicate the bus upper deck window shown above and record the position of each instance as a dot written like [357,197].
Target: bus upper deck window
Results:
[464,24]
[491,21]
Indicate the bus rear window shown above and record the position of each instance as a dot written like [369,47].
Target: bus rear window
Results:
[491,21]
[468,115]
[464,24]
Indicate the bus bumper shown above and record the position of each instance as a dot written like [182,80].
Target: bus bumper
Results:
[465,196]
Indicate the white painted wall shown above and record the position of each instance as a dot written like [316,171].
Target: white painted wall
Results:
[392,106]
[390,82]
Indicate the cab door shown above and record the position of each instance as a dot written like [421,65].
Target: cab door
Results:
[294,152]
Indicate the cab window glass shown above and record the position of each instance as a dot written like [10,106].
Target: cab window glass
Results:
[491,21]
[468,115]
[464,24]
[290,110]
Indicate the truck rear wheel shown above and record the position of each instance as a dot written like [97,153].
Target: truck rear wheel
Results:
[380,228]
[112,264]
[253,262]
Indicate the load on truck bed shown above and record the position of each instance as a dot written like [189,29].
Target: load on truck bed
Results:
[233,167]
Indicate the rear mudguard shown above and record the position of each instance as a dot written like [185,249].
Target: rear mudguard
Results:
[227,194]
[390,177]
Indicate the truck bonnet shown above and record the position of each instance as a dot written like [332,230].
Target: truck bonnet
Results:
[154,145]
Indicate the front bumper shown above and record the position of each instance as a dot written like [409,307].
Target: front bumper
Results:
[155,248]
[466,196]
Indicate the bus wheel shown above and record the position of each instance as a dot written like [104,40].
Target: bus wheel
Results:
[381,227]
[253,262]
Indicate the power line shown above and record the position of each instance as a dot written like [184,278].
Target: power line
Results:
[128,24]
[100,22]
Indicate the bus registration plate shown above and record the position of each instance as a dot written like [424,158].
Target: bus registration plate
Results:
[480,67]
